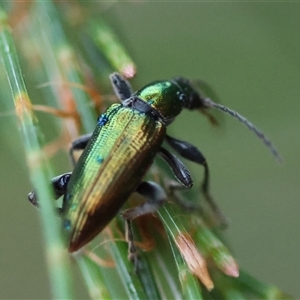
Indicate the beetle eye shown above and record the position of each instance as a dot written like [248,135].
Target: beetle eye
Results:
[182,97]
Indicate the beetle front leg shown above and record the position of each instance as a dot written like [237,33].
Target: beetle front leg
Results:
[193,154]
[121,86]
[178,168]
[59,184]
[183,175]
[155,197]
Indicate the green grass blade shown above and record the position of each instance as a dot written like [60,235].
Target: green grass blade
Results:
[66,58]
[39,170]
[111,47]
[195,261]
[93,278]
[131,281]
[260,289]
[190,286]
[215,249]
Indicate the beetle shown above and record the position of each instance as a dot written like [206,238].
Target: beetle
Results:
[119,152]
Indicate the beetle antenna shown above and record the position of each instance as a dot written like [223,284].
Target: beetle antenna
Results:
[209,103]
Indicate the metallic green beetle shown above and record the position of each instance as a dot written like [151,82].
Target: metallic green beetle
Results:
[117,155]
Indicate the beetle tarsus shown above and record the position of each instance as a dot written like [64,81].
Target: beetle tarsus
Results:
[178,168]
[33,199]
[121,86]
[60,183]
[132,250]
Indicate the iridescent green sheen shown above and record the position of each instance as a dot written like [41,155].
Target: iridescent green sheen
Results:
[167,97]
[114,162]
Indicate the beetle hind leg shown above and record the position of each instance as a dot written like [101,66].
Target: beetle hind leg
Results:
[155,197]
[132,250]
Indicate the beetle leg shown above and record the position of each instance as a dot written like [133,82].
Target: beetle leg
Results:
[193,154]
[121,86]
[59,184]
[213,217]
[132,251]
[155,197]
[178,168]
[186,150]
[79,144]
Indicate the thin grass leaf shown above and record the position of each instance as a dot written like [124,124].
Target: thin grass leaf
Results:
[195,261]
[93,278]
[259,288]
[232,294]
[130,280]
[110,46]
[159,258]
[58,262]
[190,286]
[215,249]
[66,58]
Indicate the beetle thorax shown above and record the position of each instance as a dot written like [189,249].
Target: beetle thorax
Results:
[166,97]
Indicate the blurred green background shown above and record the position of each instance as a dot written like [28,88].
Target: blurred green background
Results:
[249,53]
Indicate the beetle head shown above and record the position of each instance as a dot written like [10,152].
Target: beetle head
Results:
[193,99]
